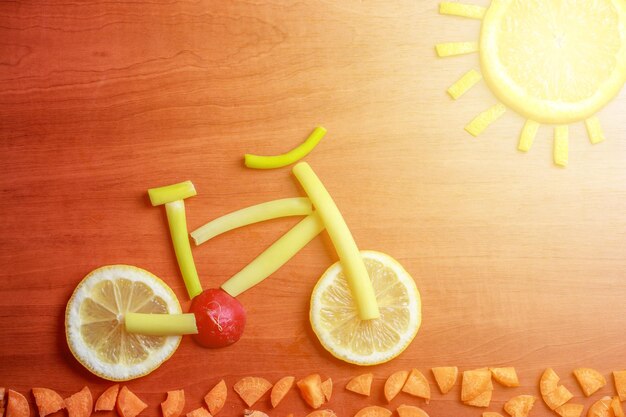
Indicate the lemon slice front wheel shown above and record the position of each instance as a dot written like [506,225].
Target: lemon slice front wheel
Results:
[94,322]
[335,319]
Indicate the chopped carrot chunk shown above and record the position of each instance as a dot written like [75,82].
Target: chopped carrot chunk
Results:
[394,384]
[17,405]
[557,398]
[280,389]
[411,411]
[327,389]
[589,379]
[475,382]
[520,405]
[106,400]
[198,412]
[619,377]
[216,398]
[311,390]
[570,410]
[417,385]
[616,407]
[80,404]
[321,413]
[601,408]
[128,404]
[373,411]
[361,384]
[251,389]
[481,400]
[174,403]
[48,401]
[446,377]
[505,376]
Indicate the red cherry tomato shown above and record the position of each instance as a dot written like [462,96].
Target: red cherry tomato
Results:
[220,318]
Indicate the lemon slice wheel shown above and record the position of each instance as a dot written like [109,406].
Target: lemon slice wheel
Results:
[336,322]
[554,61]
[94,322]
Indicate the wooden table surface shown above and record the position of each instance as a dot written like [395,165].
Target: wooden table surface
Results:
[519,262]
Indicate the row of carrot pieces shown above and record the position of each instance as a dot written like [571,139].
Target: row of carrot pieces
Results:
[476,390]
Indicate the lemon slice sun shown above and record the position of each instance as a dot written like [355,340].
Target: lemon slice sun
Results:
[336,323]
[554,61]
[94,322]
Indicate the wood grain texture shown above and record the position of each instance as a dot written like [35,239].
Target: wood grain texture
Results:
[519,262]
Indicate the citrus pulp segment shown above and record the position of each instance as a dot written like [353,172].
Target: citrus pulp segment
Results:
[94,322]
[336,322]
[554,61]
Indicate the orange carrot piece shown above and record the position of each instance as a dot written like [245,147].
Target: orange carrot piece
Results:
[373,411]
[475,382]
[280,389]
[254,413]
[106,400]
[198,412]
[311,390]
[411,411]
[394,384]
[48,401]
[446,377]
[417,385]
[361,384]
[589,379]
[17,405]
[481,400]
[321,413]
[216,398]
[128,404]
[252,388]
[557,398]
[570,410]
[505,376]
[79,404]
[519,406]
[327,389]
[601,408]
[491,414]
[174,403]
[616,407]
[619,377]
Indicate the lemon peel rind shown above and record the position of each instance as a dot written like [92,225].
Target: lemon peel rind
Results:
[544,111]
[85,356]
[375,358]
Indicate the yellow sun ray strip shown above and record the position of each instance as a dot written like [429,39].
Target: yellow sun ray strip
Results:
[527,137]
[594,130]
[484,119]
[561,146]
[456,48]
[466,82]
[463,10]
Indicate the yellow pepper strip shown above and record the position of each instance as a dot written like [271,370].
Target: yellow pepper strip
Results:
[527,137]
[278,161]
[561,145]
[172,196]
[463,10]
[455,48]
[160,324]
[594,130]
[484,119]
[298,206]
[351,262]
[463,85]
[275,256]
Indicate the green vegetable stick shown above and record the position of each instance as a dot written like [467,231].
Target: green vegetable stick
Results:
[278,161]
[180,191]
[351,262]
[160,324]
[178,230]
[275,256]
[298,206]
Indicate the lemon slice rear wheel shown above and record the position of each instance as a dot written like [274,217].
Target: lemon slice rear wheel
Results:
[554,61]
[94,322]
[335,319]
